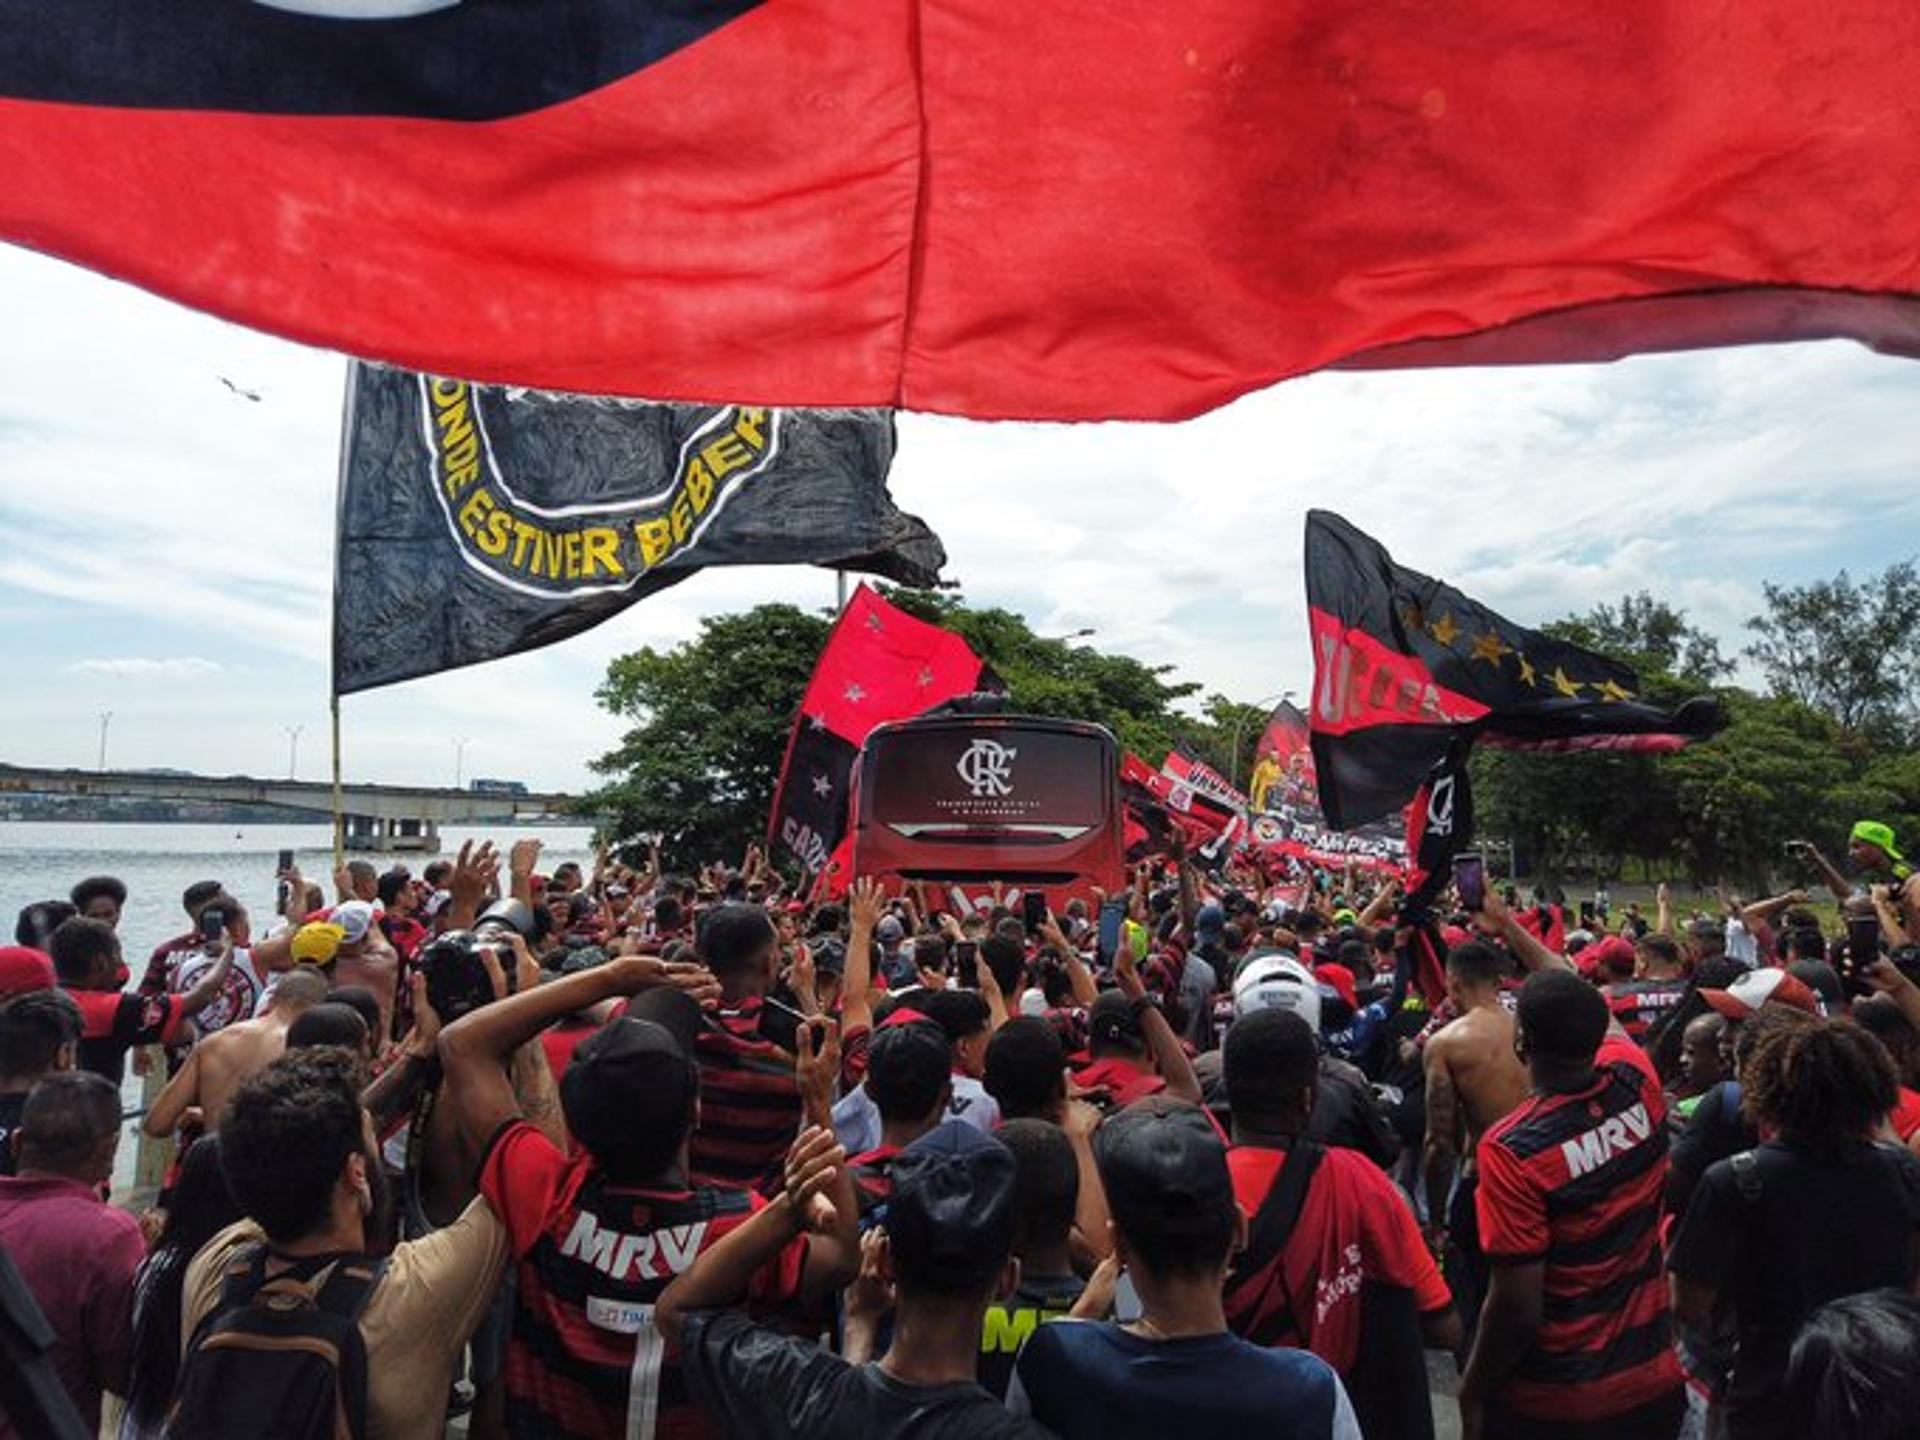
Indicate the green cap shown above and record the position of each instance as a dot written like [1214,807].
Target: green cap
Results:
[1874,833]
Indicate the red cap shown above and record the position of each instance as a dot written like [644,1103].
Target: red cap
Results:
[1613,952]
[23,969]
[1341,979]
[905,1015]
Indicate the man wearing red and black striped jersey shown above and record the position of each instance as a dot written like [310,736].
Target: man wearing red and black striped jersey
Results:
[749,1099]
[598,1233]
[86,955]
[1658,983]
[1575,1340]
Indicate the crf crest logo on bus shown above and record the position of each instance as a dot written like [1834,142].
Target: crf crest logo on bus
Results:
[987,767]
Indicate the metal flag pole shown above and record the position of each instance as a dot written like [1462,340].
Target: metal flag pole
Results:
[339,811]
[333,677]
[840,589]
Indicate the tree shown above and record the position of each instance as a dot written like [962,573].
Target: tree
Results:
[1649,634]
[1850,650]
[710,724]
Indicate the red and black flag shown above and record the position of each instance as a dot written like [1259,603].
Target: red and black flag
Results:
[1404,666]
[477,522]
[811,202]
[879,664]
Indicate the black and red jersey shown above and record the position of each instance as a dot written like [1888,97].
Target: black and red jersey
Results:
[584,1360]
[750,1104]
[1637,1004]
[1575,1180]
[112,1022]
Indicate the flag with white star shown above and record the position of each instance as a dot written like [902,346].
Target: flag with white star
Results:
[1404,663]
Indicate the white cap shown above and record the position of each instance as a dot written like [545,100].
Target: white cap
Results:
[355,917]
[1278,982]
[1033,1001]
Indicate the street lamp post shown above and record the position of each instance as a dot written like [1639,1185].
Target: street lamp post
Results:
[106,719]
[459,758]
[293,749]
[1239,725]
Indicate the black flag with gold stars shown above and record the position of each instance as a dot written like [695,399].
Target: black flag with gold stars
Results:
[1404,665]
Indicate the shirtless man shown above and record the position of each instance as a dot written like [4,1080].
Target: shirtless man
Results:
[1474,1078]
[366,957]
[221,1062]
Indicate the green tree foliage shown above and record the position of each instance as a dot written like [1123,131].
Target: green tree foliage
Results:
[1048,676]
[710,720]
[1849,649]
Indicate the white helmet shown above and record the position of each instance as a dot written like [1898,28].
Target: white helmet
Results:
[1278,981]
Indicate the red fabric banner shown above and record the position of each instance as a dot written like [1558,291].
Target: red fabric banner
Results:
[1065,212]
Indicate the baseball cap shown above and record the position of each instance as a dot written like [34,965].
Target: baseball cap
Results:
[1209,921]
[829,956]
[889,931]
[1164,1168]
[1339,979]
[1879,835]
[1614,952]
[1278,981]
[1761,987]
[950,1219]
[634,1075]
[317,942]
[24,969]
[437,902]
[1111,1021]
[355,918]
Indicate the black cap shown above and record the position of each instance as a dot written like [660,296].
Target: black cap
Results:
[1164,1167]
[951,1217]
[1111,1021]
[635,1076]
[829,955]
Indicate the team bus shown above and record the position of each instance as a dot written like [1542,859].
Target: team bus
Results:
[967,799]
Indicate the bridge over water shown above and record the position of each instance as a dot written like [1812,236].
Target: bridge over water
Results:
[378,817]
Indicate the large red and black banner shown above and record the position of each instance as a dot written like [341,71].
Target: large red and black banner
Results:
[879,664]
[842,202]
[1403,664]
[477,522]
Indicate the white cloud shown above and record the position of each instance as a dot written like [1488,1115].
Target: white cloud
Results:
[140,667]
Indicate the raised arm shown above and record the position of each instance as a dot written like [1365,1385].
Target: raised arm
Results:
[475,871]
[207,988]
[1085,992]
[1829,873]
[475,1049]
[863,914]
[1761,912]
[1532,953]
[1168,1054]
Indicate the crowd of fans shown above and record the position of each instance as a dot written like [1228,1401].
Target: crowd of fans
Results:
[625,1153]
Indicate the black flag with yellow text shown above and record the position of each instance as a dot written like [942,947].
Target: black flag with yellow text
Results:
[477,522]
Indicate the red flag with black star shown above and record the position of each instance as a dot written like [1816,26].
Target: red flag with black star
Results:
[879,664]
[1061,211]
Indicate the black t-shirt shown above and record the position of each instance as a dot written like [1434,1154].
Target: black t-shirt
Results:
[1010,1323]
[10,1108]
[1716,1131]
[757,1384]
[1817,1226]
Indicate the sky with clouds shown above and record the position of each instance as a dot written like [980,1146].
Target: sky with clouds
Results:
[168,540]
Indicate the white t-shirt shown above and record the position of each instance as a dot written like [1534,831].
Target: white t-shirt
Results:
[239,997]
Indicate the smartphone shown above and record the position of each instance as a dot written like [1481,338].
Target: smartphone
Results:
[1470,879]
[286,860]
[1033,909]
[1863,943]
[213,920]
[1113,919]
[966,965]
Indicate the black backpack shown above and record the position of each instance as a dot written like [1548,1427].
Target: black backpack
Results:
[280,1356]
